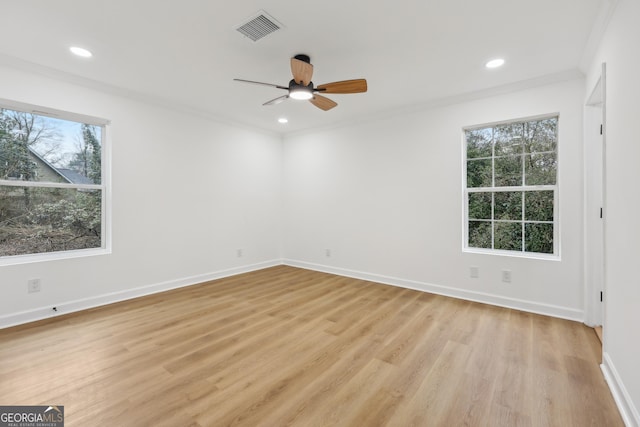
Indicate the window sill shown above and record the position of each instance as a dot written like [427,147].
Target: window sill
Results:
[52,256]
[512,254]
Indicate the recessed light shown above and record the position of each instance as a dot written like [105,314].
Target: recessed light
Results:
[283,120]
[78,51]
[495,63]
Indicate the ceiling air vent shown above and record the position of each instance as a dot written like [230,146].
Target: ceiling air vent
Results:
[258,26]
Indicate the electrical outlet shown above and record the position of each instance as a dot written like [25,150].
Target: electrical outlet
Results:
[327,253]
[34,285]
[474,272]
[239,253]
[506,276]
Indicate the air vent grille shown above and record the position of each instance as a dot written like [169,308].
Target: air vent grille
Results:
[259,26]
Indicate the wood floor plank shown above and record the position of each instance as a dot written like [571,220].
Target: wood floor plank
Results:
[290,347]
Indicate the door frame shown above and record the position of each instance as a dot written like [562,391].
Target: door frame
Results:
[595,203]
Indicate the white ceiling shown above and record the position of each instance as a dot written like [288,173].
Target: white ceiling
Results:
[187,52]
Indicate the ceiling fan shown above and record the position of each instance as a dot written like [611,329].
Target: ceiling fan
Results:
[301,86]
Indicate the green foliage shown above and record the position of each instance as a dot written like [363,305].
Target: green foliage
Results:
[541,136]
[479,173]
[508,139]
[539,238]
[540,169]
[508,236]
[508,205]
[81,215]
[480,205]
[14,151]
[512,155]
[87,160]
[538,206]
[479,143]
[95,164]
[508,171]
[480,234]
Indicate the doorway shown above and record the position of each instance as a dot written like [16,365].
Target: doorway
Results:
[595,212]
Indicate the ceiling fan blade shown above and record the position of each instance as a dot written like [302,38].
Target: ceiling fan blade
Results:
[302,71]
[322,102]
[277,100]
[344,86]
[260,83]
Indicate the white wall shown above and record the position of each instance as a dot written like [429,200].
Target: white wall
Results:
[619,49]
[386,198]
[187,193]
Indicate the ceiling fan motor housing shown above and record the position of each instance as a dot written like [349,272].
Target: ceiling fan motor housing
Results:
[304,58]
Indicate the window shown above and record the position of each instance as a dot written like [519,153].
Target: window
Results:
[511,187]
[52,191]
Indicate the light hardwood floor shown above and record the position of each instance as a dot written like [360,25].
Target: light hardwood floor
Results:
[285,346]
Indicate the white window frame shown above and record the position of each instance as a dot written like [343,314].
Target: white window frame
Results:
[521,188]
[104,186]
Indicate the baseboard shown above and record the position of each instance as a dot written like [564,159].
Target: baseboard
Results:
[47,312]
[627,409]
[83,304]
[485,298]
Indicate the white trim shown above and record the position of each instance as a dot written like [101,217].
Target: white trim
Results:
[628,411]
[513,254]
[481,297]
[105,88]
[52,112]
[594,227]
[599,27]
[546,187]
[508,122]
[105,181]
[100,300]
[44,184]
[549,79]
[53,256]
[104,187]
[110,298]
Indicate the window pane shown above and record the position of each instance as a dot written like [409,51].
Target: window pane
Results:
[479,205]
[44,149]
[540,169]
[508,236]
[512,156]
[538,206]
[37,220]
[508,205]
[539,238]
[541,135]
[479,173]
[480,234]
[508,139]
[508,171]
[479,143]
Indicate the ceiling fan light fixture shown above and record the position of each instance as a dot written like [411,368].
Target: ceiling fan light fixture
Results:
[300,93]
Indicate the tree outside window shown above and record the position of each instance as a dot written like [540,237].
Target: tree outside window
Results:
[511,186]
[51,190]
